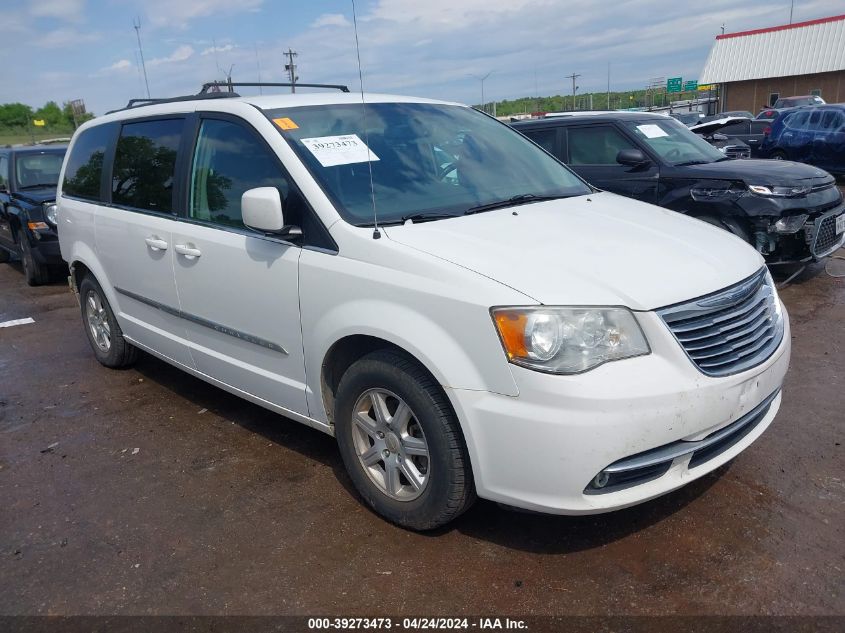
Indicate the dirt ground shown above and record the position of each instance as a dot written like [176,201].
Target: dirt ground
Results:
[146,491]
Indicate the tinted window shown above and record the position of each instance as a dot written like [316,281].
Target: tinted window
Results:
[4,171]
[543,138]
[228,161]
[815,117]
[597,145]
[38,170]
[796,121]
[84,167]
[734,128]
[144,164]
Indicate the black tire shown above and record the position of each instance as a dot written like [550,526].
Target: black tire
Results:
[119,353]
[5,255]
[449,489]
[36,274]
[778,155]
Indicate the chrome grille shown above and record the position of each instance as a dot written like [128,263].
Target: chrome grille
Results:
[731,330]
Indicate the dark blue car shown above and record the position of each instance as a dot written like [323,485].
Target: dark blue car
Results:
[809,134]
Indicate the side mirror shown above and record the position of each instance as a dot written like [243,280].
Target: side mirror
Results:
[261,209]
[632,157]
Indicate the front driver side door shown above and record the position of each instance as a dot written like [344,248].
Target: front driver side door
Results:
[239,289]
[591,152]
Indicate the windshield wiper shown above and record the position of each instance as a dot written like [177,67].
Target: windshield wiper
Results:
[426,217]
[38,186]
[523,198]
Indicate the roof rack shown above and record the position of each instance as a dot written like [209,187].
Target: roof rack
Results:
[140,103]
[228,85]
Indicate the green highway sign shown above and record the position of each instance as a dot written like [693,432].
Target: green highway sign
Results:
[673,84]
[689,86]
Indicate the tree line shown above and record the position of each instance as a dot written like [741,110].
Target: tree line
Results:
[21,116]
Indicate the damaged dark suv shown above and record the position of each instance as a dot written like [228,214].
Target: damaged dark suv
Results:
[790,212]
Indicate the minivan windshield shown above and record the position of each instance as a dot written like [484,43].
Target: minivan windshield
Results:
[429,161]
[673,141]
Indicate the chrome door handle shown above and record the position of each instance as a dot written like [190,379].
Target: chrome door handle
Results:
[187,250]
[156,243]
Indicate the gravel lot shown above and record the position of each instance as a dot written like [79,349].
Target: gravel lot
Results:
[146,491]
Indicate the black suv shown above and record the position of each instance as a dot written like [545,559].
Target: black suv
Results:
[788,211]
[28,179]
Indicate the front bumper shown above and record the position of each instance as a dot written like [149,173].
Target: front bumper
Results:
[542,449]
[45,248]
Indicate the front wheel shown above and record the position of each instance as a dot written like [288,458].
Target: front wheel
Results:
[36,274]
[401,442]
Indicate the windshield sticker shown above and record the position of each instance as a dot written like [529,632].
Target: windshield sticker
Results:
[652,131]
[339,150]
[286,124]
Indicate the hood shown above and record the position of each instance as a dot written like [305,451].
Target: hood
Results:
[600,249]
[762,172]
[37,196]
[714,126]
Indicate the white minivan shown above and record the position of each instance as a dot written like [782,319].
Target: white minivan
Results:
[464,314]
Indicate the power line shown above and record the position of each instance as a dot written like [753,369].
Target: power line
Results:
[137,24]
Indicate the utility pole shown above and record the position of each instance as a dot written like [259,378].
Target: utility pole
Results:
[137,25]
[723,24]
[573,77]
[608,86]
[291,68]
[483,104]
[791,7]
[258,64]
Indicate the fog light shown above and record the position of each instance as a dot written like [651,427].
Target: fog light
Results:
[600,480]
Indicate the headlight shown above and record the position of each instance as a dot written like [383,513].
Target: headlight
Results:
[779,192]
[50,213]
[714,193]
[790,224]
[568,340]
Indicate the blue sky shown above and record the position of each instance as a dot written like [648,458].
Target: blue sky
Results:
[67,49]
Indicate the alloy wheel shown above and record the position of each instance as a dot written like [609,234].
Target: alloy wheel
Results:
[390,444]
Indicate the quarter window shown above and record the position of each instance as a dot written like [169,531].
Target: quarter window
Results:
[144,164]
[228,161]
[596,145]
[84,169]
[4,171]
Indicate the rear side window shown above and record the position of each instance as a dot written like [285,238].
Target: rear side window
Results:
[84,169]
[735,128]
[145,164]
[543,138]
[815,117]
[796,121]
[228,161]
[596,145]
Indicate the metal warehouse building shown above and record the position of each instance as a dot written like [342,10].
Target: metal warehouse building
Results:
[756,67]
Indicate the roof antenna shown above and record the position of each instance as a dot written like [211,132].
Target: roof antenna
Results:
[376,232]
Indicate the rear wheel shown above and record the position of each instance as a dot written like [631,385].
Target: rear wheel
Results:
[36,274]
[101,327]
[401,442]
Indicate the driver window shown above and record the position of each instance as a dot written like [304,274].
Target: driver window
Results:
[596,145]
[229,160]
